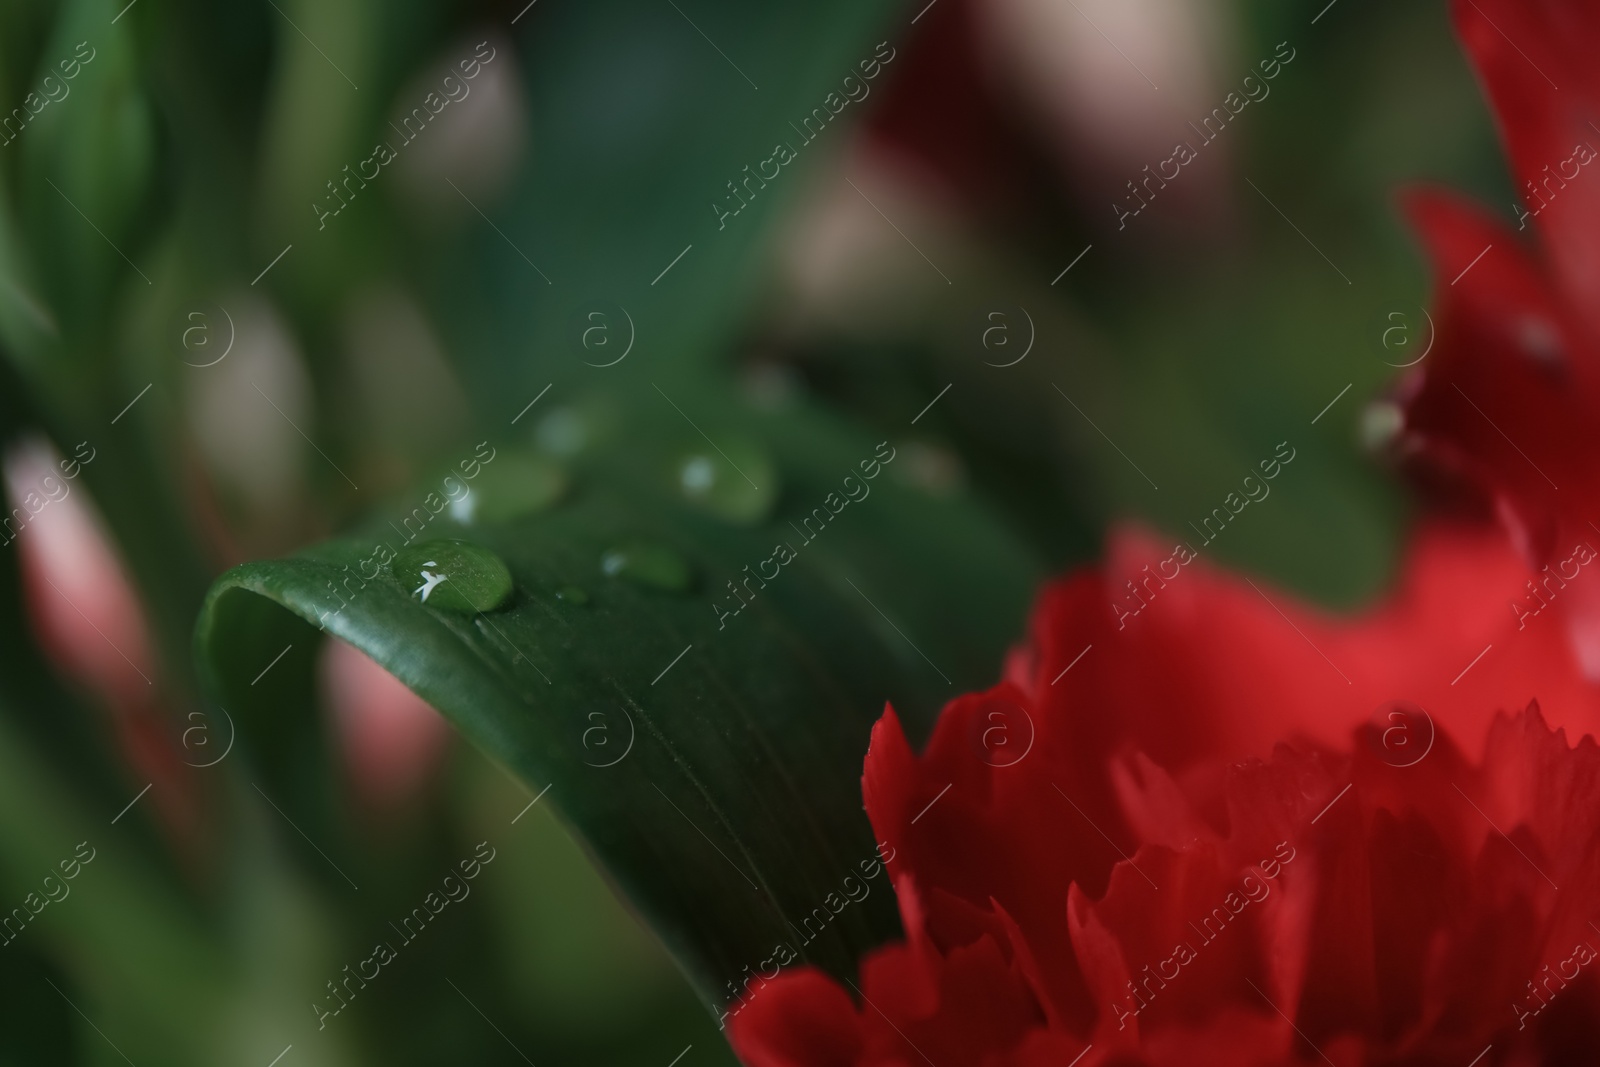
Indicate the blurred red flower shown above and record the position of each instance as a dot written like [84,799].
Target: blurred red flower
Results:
[1508,398]
[1206,838]
[1230,829]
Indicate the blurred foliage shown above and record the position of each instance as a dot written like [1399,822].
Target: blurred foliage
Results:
[414,323]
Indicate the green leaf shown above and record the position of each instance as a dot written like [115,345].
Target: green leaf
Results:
[87,166]
[643,116]
[712,760]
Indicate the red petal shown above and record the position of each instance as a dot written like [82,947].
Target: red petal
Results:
[799,1019]
[1536,61]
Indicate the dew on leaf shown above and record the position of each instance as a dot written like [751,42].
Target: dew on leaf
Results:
[453,576]
[739,484]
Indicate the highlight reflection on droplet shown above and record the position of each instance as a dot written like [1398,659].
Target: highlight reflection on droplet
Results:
[453,576]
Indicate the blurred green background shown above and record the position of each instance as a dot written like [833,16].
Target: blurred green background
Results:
[392,337]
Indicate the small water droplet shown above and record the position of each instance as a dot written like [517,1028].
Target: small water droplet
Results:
[511,486]
[572,595]
[739,484]
[453,576]
[651,565]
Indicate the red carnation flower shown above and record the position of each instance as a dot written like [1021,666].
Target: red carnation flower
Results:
[1199,823]
[1510,393]
[1189,765]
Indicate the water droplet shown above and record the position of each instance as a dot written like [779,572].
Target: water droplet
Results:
[511,486]
[453,576]
[739,484]
[572,595]
[651,565]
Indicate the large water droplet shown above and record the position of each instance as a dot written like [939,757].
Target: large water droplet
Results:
[572,595]
[651,565]
[739,483]
[513,485]
[453,576]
